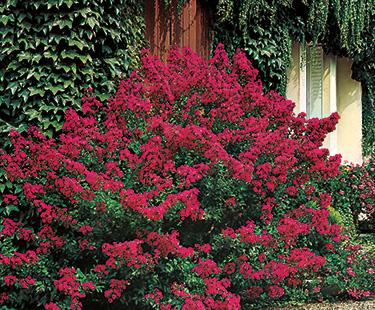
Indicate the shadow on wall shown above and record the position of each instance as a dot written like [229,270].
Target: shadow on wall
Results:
[349,106]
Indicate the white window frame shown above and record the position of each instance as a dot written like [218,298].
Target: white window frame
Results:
[332,89]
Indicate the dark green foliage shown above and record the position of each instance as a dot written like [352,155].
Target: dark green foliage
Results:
[353,197]
[51,50]
[262,32]
[368,121]
[364,71]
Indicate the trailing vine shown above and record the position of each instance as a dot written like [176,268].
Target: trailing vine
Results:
[266,28]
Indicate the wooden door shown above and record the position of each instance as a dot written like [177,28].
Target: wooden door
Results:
[166,27]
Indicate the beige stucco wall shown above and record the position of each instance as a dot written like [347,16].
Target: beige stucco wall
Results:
[349,106]
[346,140]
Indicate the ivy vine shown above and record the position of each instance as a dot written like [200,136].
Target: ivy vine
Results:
[51,50]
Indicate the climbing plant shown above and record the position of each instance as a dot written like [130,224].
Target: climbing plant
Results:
[257,27]
[364,71]
[266,28]
[51,50]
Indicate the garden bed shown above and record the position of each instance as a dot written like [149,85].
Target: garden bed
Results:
[342,305]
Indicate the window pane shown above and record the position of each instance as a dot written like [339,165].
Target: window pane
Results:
[314,102]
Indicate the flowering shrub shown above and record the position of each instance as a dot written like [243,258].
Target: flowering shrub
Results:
[353,195]
[190,189]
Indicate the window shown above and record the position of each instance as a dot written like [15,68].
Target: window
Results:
[321,84]
[318,90]
[312,60]
[314,82]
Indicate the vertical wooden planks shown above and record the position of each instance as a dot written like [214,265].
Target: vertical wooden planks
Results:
[150,19]
[165,27]
[206,38]
[175,25]
[193,25]
[184,40]
[203,41]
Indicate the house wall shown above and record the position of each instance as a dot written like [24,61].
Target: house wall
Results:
[350,109]
[337,86]
[167,27]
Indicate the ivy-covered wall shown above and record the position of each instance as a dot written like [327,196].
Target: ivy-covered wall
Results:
[51,50]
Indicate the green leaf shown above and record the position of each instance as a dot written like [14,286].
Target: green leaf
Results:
[65,68]
[68,83]
[76,43]
[85,58]
[92,22]
[25,95]
[30,75]
[5,19]
[11,208]
[69,3]
[46,108]
[55,89]
[32,113]
[25,56]
[13,86]
[64,23]
[80,274]
[74,68]
[36,91]
[49,55]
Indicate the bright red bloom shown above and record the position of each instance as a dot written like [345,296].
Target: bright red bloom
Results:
[275,291]
[51,306]
[10,280]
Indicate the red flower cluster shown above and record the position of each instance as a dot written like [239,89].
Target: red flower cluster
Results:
[116,289]
[70,286]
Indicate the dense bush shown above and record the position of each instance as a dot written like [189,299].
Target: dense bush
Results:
[190,189]
[353,196]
